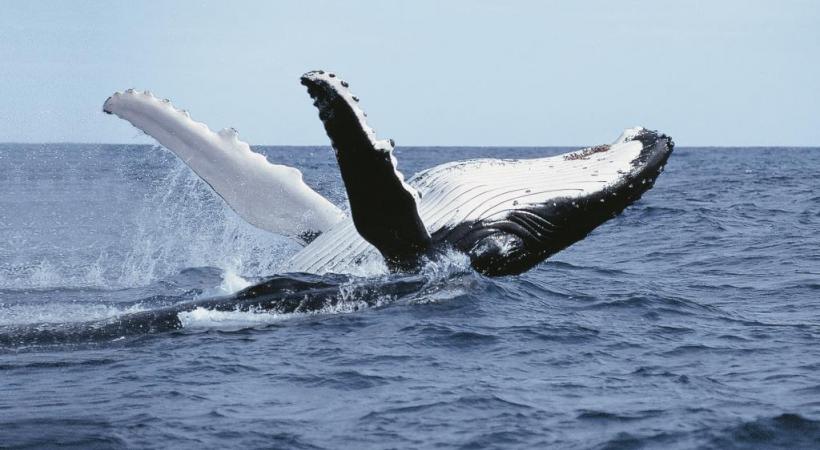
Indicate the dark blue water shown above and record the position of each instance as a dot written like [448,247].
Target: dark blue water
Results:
[692,320]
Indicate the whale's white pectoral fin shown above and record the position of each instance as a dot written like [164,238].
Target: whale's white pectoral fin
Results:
[269,196]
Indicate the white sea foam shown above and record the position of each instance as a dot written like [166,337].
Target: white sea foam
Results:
[231,284]
[207,318]
[230,320]
[184,224]
[61,313]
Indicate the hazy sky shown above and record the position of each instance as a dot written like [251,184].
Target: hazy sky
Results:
[428,72]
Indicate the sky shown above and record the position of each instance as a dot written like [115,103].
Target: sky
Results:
[428,72]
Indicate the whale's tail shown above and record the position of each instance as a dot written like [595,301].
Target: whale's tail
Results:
[269,196]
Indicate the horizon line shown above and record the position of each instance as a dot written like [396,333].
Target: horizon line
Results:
[702,146]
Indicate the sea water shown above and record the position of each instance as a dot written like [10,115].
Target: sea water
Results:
[691,320]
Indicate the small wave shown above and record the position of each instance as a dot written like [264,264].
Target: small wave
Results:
[786,430]
[604,416]
[562,333]
[209,318]
[654,303]
[42,432]
[346,380]
[60,364]
[444,336]
[624,440]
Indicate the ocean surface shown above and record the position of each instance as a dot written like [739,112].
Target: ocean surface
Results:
[691,320]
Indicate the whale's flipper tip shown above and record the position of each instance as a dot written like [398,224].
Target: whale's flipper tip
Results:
[105,108]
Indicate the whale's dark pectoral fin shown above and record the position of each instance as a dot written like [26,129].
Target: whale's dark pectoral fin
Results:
[383,206]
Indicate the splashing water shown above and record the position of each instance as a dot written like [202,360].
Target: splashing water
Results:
[184,224]
[177,223]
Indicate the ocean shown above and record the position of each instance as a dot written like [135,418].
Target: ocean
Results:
[692,320]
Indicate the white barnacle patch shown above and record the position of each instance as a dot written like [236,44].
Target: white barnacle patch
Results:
[506,243]
[500,244]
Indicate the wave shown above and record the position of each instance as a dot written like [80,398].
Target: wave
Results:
[786,430]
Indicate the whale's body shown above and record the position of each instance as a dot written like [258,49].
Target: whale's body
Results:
[505,215]
[509,215]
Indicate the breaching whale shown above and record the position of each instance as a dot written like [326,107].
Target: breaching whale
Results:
[505,215]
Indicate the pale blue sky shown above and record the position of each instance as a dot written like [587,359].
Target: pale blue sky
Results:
[428,72]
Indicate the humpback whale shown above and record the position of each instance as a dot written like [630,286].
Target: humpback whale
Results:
[505,215]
